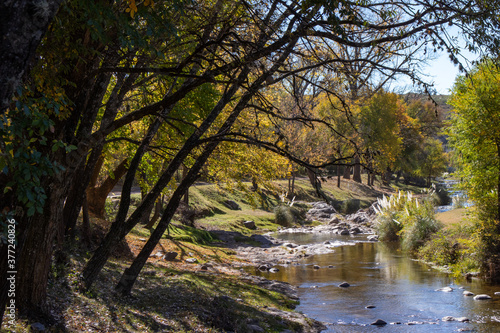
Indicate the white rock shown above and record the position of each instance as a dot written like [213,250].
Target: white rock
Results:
[482,297]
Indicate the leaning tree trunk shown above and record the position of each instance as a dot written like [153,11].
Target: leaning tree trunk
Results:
[130,275]
[313,179]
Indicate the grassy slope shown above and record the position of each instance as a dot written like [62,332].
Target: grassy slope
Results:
[259,208]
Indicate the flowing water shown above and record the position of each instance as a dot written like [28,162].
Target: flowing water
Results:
[402,291]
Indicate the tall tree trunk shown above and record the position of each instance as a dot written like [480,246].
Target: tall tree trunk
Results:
[146,218]
[130,275]
[347,172]
[156,214]
[338,176]
[356,176]
[83,176]
[96,196]
[86,229]
[36,251]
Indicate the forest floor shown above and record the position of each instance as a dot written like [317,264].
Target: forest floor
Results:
[213,294]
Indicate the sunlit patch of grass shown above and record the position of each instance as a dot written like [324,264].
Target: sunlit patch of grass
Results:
[454,216]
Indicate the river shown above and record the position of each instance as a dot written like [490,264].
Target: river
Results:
[400,291]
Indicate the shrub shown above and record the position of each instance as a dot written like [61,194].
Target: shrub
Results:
[439,250]
[456,247]
[407,219]
[286,216]
[350,206]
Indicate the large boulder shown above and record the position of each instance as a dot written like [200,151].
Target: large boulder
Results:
[250,225]
[232,205]
[169,256]
[321,211]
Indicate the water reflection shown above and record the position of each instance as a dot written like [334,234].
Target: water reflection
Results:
[402,290]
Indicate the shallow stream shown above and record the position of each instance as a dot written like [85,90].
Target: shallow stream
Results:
[402,291]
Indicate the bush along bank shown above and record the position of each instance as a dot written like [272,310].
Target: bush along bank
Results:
[405,218]
[459,249]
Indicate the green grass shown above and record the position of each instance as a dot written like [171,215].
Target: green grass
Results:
[452,217]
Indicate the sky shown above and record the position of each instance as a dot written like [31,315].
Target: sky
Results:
[443,72]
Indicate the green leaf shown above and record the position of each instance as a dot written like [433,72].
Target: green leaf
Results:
[31,211]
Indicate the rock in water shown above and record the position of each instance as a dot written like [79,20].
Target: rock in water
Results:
[379,322]
[462,319]
[316,267]
[482,297]
[344,285]
[344,232]
[467,293]
[445,289]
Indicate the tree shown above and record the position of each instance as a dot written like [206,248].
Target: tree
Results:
[475,134]
[431,160]
[379,125]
